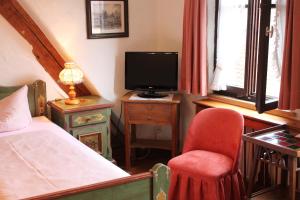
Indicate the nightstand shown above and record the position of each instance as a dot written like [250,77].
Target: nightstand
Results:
[89,121]
[156,112]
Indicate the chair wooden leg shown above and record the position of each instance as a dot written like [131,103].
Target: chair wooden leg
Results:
[257,150]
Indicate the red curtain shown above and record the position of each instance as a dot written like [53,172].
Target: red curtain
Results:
[194,59]
[289,98]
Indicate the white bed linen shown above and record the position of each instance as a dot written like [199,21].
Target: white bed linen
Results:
[44,158]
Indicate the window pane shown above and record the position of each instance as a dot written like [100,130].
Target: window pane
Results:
[275,51]
[231,41]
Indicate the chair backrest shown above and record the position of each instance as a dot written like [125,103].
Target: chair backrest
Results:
[218,130]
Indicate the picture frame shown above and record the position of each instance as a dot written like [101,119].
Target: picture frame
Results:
[107,18]
[92,140]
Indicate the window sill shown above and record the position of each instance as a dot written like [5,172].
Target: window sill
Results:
[251,106]
[248,110]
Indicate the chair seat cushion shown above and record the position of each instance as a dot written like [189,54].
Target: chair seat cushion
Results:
[204,175]
[202,164]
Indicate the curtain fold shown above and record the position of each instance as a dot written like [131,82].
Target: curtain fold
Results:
[194,73]
[289,98]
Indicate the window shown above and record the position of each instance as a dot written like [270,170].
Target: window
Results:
[248,50]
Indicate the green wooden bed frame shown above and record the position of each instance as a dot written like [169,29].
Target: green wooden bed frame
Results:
[152,185]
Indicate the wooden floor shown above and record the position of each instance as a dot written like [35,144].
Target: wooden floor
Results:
[145,159]
[275,195]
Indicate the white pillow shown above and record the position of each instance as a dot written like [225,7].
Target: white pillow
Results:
[14,111]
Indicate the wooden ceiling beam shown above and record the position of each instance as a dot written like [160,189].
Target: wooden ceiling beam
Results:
[43,50]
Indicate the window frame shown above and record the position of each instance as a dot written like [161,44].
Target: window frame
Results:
[231,90]
[256,58]
[263,50]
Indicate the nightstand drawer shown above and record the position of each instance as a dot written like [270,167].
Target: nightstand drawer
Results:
[87,118]
[151,113]
[96,128]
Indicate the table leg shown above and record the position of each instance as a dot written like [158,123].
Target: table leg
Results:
[292,176]
[257,150]
[175,129]
[174,142]
[283,172]
[133,140]
[245,160]
[127,140]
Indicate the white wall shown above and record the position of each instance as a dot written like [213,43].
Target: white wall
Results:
[18,65]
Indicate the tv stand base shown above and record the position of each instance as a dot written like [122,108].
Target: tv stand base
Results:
[151,95]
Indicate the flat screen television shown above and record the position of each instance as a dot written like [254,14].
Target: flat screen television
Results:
[151,72]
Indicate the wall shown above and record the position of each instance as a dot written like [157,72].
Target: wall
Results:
[18,66]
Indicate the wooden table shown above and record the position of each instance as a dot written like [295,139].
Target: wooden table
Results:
[158,112]
[277,147]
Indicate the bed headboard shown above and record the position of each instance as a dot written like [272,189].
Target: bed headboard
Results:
[36,96]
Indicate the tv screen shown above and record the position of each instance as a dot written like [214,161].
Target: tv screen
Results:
[154,71]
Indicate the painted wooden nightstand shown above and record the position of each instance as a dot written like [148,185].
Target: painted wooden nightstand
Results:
[88,121]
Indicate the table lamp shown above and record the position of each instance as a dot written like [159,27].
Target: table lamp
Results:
[71,75]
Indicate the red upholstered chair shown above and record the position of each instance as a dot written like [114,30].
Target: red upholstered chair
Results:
[208,167]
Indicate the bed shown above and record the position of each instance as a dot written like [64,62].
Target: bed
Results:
[43,161]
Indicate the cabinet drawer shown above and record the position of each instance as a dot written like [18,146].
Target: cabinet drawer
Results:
[149,113]
[89,117]
[96,128]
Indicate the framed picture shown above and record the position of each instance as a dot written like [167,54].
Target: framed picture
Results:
[107,19]
[92,140]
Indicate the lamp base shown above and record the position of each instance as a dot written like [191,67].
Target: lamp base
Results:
[72,101]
